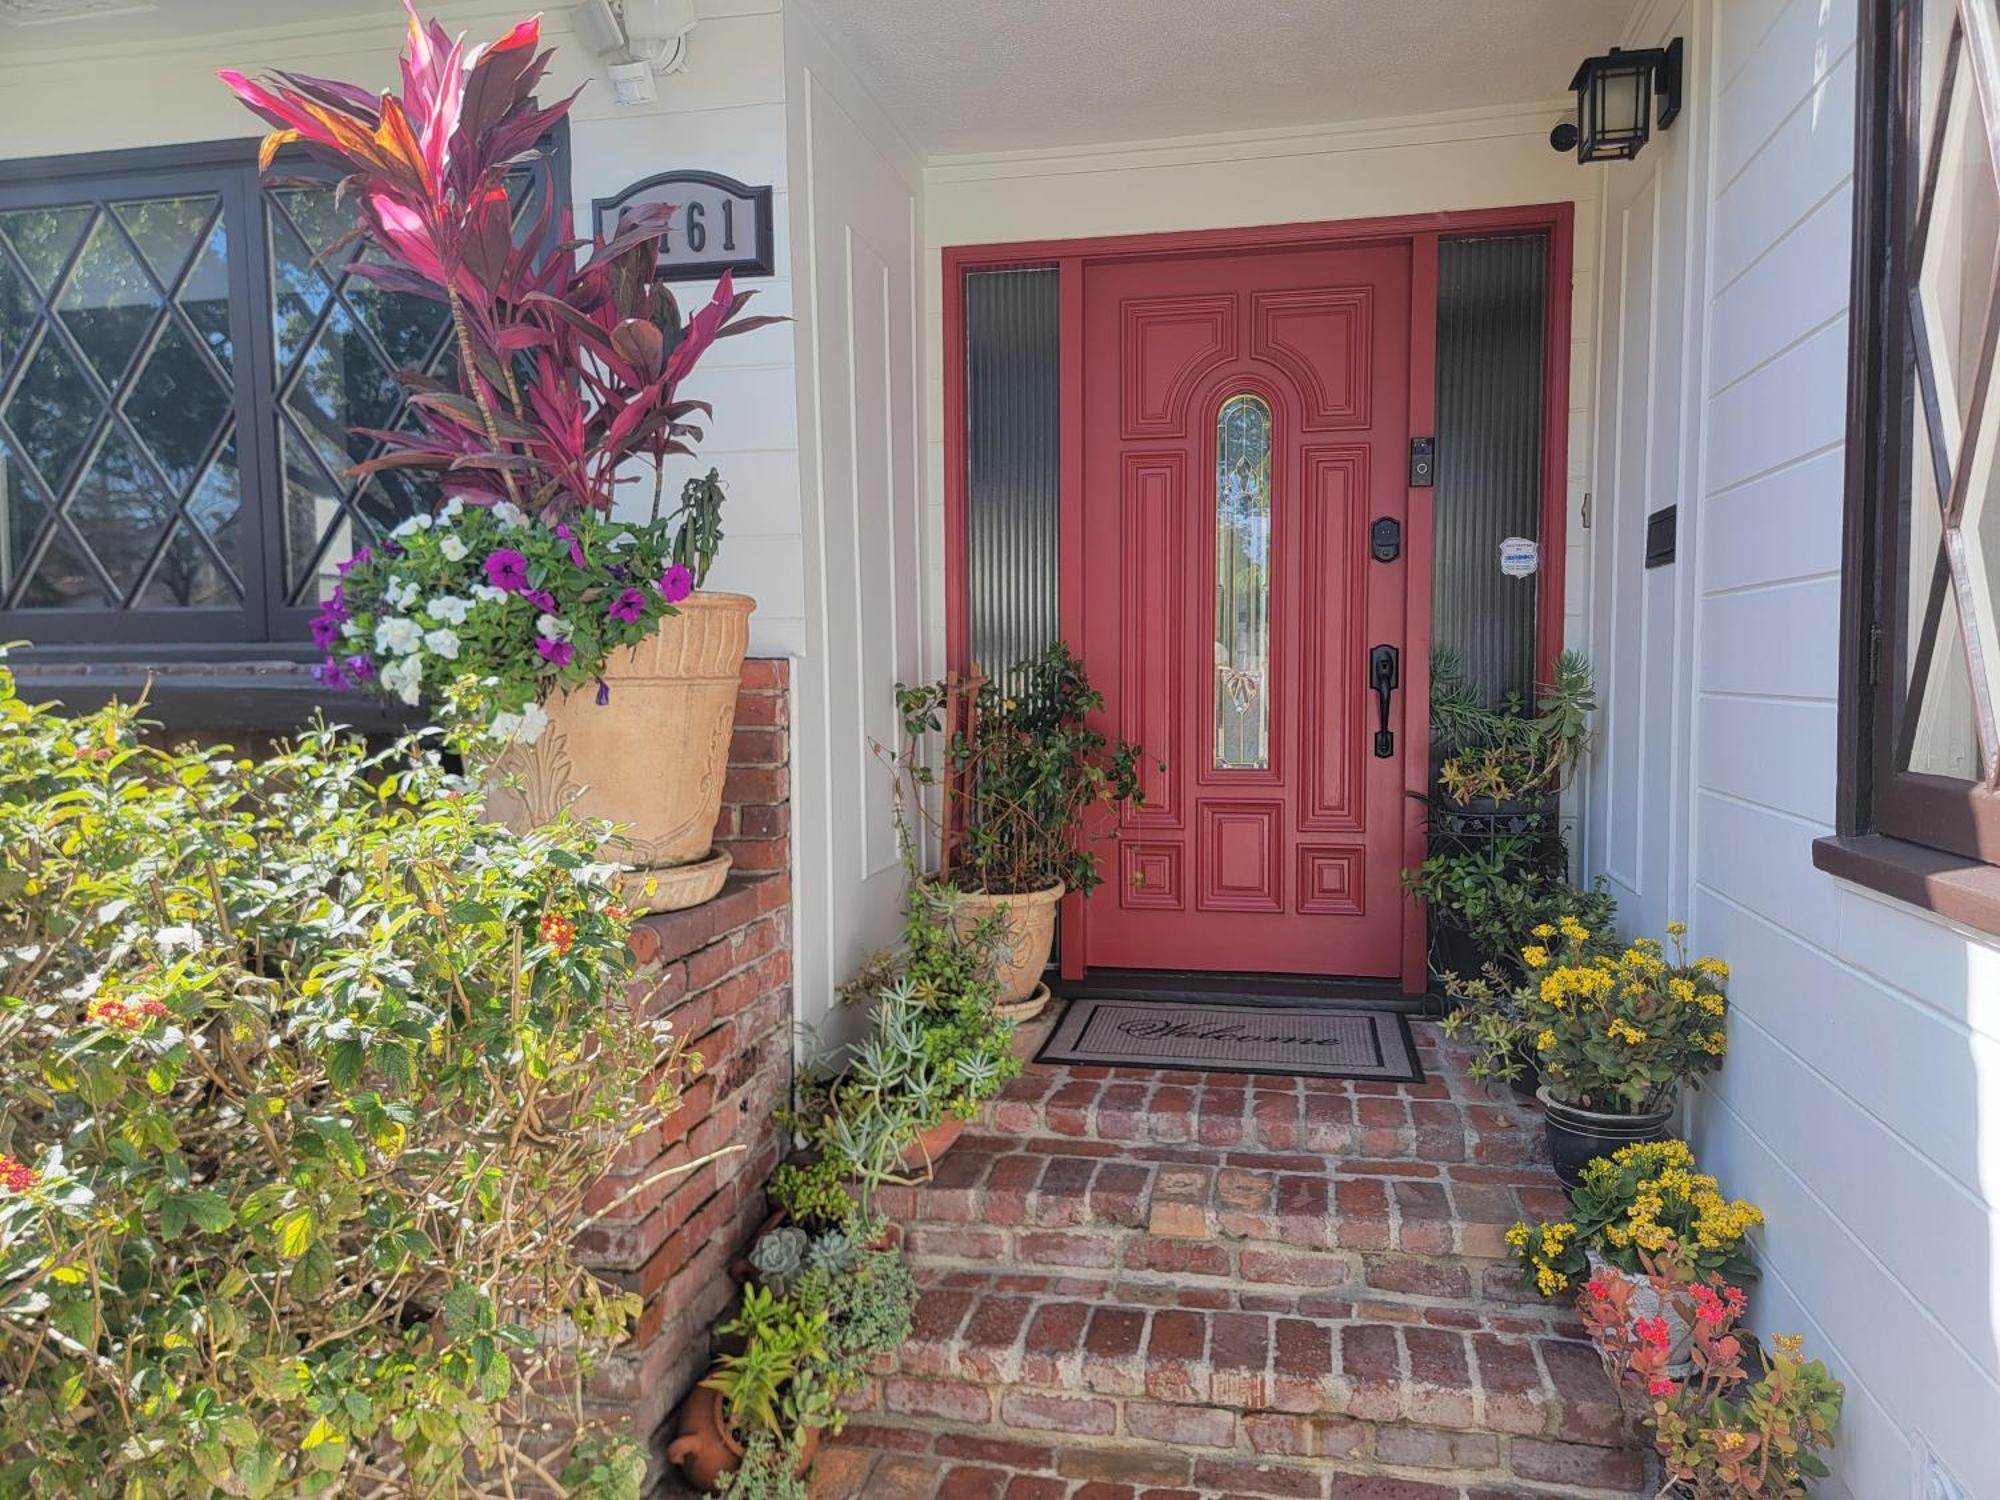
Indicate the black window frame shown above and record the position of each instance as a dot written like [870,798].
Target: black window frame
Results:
[1928,840]
[267,629]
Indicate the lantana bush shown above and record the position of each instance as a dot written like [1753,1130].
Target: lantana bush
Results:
[306,1070]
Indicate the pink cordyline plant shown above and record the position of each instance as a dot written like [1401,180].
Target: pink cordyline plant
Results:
[569,355]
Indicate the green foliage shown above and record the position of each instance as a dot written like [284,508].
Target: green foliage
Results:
[934,1047]
[1022,781]
[1495,896]
[1509,754]
[806,1345]
[307,1070]
[769,1471]
[698,525]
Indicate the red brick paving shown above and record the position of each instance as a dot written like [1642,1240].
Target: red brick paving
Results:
[1162,1285]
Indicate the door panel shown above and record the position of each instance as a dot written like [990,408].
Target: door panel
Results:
[1245,422]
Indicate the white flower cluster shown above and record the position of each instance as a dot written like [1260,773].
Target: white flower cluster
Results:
[522,728]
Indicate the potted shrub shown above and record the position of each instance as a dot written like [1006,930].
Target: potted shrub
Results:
[885,1108]
[521,606]
[1646,1213]
[1022,775]
[1615,1032]
[1742,1422]
[820,1313]
[1495,849]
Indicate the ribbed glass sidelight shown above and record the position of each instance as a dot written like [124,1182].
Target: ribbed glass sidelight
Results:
[1492,328]
[1013,419]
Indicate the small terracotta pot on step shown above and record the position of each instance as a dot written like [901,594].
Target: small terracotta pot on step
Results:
[652,757]
[922,1153]
[707,1448]
[1028,932]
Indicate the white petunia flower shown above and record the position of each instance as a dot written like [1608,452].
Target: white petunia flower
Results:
[522,728]
[485,593]
[416,523]
[404,678]
[443,643]
[398,635]
[453,549]
[403,593]
[555,627]
[449,608]
[510,515]
[453,509]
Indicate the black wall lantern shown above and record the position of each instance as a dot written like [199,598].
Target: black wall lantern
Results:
[1614,102]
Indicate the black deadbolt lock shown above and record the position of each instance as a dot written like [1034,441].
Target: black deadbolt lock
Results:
[1385,539]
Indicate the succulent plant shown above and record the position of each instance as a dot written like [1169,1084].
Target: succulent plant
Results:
[780,1258]
[833,1253]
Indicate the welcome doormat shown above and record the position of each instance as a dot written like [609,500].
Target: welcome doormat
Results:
[1318,1041]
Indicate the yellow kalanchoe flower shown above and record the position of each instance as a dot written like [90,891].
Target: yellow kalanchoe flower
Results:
[1535,956]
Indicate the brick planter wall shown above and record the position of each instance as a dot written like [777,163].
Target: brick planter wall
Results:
[723,974]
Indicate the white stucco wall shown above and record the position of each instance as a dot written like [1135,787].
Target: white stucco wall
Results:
[1860,1106]
[725,113]
[1472,159]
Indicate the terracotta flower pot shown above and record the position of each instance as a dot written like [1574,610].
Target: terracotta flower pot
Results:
[1028,932]
[652,757]
[923,1152]
[707,1448]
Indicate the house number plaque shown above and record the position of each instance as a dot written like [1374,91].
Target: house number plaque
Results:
[719,224]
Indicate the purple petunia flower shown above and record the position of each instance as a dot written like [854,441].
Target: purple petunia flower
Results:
[336,602]
[329,673]
[629,605]
[356,561]
[603,692]
[325,631]
[507,569]
[557,652]
[542,599]
[677,583]
[575,547]
[361,667]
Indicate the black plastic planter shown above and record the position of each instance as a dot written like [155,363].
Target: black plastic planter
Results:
[1577,1137]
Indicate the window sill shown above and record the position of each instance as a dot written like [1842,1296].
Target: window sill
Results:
[209,697]
[1948,885]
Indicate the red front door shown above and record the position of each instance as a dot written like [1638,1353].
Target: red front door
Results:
[1246,424]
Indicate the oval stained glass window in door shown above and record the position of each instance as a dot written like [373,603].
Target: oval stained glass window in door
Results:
[1243,585]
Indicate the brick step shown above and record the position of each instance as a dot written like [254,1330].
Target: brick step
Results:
[1390,1229]
[1077,1381]
[1445,1119]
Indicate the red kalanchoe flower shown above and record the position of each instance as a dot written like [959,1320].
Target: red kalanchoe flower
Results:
[1652,1331]
[558,931]
[17,1176]
[1661,1386]
[1599,1288]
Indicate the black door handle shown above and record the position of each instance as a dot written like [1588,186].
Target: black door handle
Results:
[1384,675]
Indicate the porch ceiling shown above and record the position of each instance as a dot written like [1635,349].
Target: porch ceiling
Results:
[995,75]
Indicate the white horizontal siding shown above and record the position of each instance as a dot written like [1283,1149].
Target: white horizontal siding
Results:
[1860,1106]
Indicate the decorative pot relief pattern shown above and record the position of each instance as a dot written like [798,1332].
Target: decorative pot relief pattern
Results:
[655,757]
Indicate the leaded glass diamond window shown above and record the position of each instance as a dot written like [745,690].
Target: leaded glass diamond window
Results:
[183,352]
[1951,636]
[119,478]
